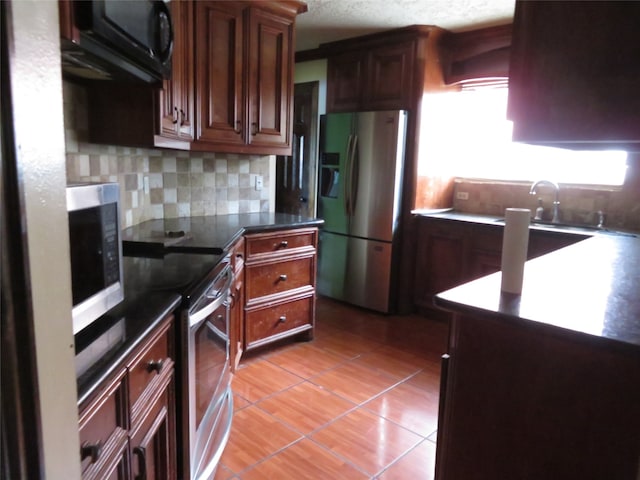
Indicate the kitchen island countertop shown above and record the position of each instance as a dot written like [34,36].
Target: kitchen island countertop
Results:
[590,290]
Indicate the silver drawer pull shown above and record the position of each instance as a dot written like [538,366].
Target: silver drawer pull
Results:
[282,319]
[284,243]
[155,365]
[282,277]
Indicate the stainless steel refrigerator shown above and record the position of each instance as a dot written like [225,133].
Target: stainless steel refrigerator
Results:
[361,157]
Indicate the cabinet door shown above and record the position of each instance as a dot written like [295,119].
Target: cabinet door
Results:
[176,96]
[219,71]
[440,262]
[574,74]
[270,79]
[389,77]
[103,439]
[152,445]
[485,251]
[345,76]
[183,66]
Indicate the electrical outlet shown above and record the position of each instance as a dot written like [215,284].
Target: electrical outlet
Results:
[259,182]
[462,195]
[145,183]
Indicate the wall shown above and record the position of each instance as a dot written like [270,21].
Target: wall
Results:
[36,99]
[180,183]
[577,204]
[314,71]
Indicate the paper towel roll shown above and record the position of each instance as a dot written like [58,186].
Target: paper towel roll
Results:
[515,242]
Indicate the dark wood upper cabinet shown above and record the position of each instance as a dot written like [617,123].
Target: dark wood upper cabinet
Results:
[477,56]
[231,88]
[147,116]
[574,74]
[345,77]
[270,78]
[244,74]
[219,37]
[176,96]
[379,78]
[390,75]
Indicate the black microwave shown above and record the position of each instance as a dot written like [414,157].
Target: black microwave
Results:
[118,40]
[95,250]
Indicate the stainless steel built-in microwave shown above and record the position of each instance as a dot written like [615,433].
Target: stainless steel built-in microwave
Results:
[95,250]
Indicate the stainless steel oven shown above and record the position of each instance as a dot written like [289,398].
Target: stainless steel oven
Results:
[205,387]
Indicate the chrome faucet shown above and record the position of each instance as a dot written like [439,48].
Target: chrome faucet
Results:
[556,202]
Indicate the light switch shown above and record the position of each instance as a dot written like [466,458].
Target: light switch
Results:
[259,182]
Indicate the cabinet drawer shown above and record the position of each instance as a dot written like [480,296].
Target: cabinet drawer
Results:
[148,365]
[270,323]
[102,423]
[277,277]
[280,242]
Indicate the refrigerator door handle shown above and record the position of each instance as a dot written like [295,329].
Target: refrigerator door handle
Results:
[347,178]
[354,174]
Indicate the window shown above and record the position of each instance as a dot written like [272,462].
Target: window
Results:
[466,134]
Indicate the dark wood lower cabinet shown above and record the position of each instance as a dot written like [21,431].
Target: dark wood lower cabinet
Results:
[523,401]
[150,444]
[451,252]
[127,428]
[279,294]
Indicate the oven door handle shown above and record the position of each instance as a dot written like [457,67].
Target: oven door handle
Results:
[199,315]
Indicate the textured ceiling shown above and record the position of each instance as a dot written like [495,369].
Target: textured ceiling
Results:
[329,20]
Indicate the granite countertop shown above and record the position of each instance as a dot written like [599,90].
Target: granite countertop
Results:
[590,290]
[153,283]
[484,219]
[102,347]
[152,287]
[211,234]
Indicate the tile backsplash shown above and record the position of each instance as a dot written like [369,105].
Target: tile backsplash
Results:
[158,183]
[578,205]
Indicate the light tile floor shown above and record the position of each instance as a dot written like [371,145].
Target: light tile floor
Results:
[360,401]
